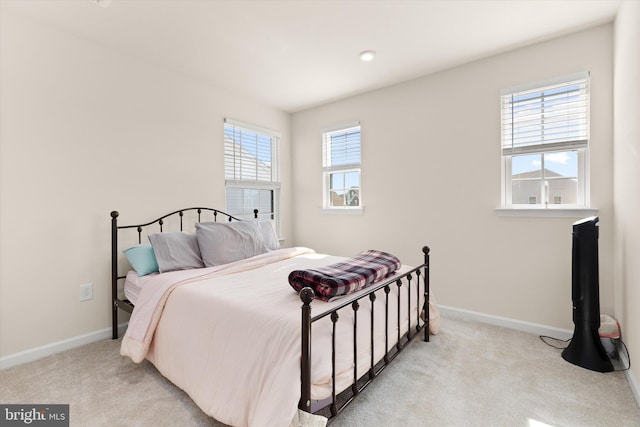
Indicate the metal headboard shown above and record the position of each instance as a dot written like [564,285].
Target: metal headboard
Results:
[126,305]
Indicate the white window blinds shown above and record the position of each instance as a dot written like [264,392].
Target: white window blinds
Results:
[547,116]
[341,148]
[249,153]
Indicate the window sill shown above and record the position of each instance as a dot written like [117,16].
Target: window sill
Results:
[342,211]
[546,212]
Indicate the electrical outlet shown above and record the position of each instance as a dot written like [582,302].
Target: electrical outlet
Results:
[86,292]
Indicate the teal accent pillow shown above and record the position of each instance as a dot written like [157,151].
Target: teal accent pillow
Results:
[142,259]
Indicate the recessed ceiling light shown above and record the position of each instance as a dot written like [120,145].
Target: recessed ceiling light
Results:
[104,3]
[367,55]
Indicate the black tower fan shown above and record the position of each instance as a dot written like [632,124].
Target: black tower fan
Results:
[586,349]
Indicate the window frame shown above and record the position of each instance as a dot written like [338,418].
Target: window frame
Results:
[328,170]
[273,185]
[582,194]
[542,147]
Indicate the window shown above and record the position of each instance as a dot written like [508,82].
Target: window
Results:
[341,167]
[545,144]
[251,170]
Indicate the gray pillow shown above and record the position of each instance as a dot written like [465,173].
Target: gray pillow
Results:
[176,251]
[222,243]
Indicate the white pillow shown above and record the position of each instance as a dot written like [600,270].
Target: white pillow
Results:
[222,243]
[268,229]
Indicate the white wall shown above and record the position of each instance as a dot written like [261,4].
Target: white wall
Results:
[626,166]
[431,175]
[86,130]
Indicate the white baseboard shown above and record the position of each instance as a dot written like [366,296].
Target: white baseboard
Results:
[635,386]
[57,347]
[535,328]
[519,325]
[633,383]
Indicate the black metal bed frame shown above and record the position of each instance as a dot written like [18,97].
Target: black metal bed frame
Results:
[307,296]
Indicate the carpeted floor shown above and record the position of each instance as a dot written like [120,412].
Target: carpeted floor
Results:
[470,375]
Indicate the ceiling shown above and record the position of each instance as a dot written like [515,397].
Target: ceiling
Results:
[293,55]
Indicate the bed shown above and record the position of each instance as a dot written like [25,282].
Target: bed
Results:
[235,334]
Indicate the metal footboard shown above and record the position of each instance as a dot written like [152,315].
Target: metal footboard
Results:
[416,281]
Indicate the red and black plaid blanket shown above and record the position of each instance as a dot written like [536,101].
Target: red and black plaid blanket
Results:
[345,277]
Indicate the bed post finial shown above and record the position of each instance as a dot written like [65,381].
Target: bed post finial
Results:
[255,214]
[306,296]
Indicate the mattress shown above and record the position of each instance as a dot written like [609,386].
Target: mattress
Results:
[133,284]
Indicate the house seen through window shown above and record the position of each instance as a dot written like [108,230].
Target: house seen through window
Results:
[545,143]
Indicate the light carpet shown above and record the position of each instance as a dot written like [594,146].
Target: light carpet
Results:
[471,374]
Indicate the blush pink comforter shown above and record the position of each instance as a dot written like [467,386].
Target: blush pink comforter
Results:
[230,337]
